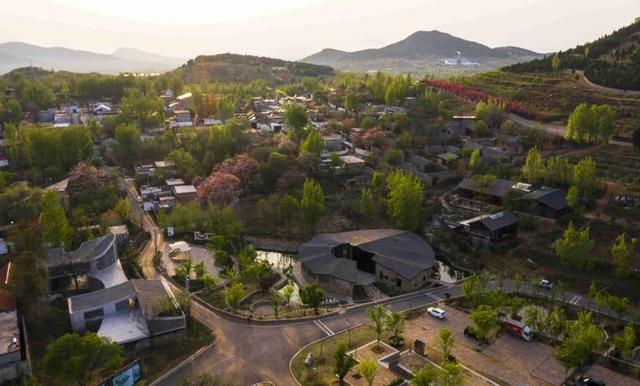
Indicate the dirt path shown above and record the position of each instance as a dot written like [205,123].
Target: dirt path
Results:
[605,89]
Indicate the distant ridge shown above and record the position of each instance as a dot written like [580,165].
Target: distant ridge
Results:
[17,54]
[421,48]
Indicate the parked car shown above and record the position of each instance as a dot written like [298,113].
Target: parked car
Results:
[437,313]
[546,284]
[588,381]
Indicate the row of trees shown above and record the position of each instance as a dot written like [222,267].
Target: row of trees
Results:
[591,124]
[559,171]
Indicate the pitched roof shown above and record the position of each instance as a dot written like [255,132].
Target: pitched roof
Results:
[554,198]
[494,221]
[87,251]
[402,252]
[101,297]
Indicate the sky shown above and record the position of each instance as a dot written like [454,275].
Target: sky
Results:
[293,29]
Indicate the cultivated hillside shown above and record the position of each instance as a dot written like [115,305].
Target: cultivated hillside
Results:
[226,68]
[612,61]
[419,51]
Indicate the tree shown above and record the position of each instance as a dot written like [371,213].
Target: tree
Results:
[342,362]
[426,376]
[377,316]
[484,320]
[77,359]
[128,138]
[533,169]
[556,62]
[621,252]
[287,292]
[226,109]
[312,203]
[405,197]
[366,205]
[220,189]
[352,103]
[581,339]
[185,164]
[579,124]
[209,281]
[53,221]
[123,209]
[625,341]
[395,323]
[296,118]
[143,109]
[289,209]
[491,113]
[313,144]
[575,246]
[474,159]
[473,289]
[591,124]
[276,304]
[368,368]
[452,375]
[558,172]
[233,294]
[573,198]
[445,341]
[312,295]
[28,278]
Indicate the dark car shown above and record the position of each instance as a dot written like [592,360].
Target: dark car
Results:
[588,381]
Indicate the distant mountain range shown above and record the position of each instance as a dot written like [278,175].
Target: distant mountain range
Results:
[420,51]
[16,54]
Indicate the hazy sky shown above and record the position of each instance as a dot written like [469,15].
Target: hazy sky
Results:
[292,29]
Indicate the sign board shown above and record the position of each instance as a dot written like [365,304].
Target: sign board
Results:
[418,347]
[171,231]
[128,376]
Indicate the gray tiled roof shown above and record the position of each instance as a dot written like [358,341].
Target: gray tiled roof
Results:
[99,298]
[87,251]
[402,252]
[554,198]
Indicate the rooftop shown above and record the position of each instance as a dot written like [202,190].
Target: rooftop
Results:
[494,221]
[183,189]
[88,250]
[554,198]
[500,188]
[9,332]
[402,252]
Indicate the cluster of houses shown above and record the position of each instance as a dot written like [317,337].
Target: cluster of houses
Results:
[73,114]
[167,193]
[126,311]
[13,352]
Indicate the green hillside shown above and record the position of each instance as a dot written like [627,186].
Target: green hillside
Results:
[612,61]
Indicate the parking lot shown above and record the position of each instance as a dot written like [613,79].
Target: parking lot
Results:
[611,378]
[508,359]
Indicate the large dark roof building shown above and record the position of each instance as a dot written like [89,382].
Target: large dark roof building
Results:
[548,202]
[341,261]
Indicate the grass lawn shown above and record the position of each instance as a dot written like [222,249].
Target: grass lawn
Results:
[158,360]
[322,352]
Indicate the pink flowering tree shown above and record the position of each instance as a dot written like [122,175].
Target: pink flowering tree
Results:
[219,189]
[242,166]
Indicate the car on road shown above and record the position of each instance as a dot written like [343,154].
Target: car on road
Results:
[437,313]
[546,284]
[588,381]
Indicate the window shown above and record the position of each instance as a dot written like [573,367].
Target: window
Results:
[93,314]
[398,283]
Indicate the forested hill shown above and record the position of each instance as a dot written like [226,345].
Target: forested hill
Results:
[612,61]
[227,68]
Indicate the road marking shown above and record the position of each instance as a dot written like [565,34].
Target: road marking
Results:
[324,327]
[575,300]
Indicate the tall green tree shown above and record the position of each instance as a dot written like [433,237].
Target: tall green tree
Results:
[368,368]
[312,203]
[233,294]
[312,144]
[352,103]
[533,169]
[625,341]
[296,118]
[404,201]
[581,339]
[556,62]
[312,295]
[226,108]
[484,320]
[445,341]
[395,323]
[574,248]
[75,359]
[342,362]
[377,316]
[584,177]
[128,138]
[621,250]
[53,221]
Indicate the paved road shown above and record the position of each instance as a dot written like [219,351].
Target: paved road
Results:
[247,353]
[554,129]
